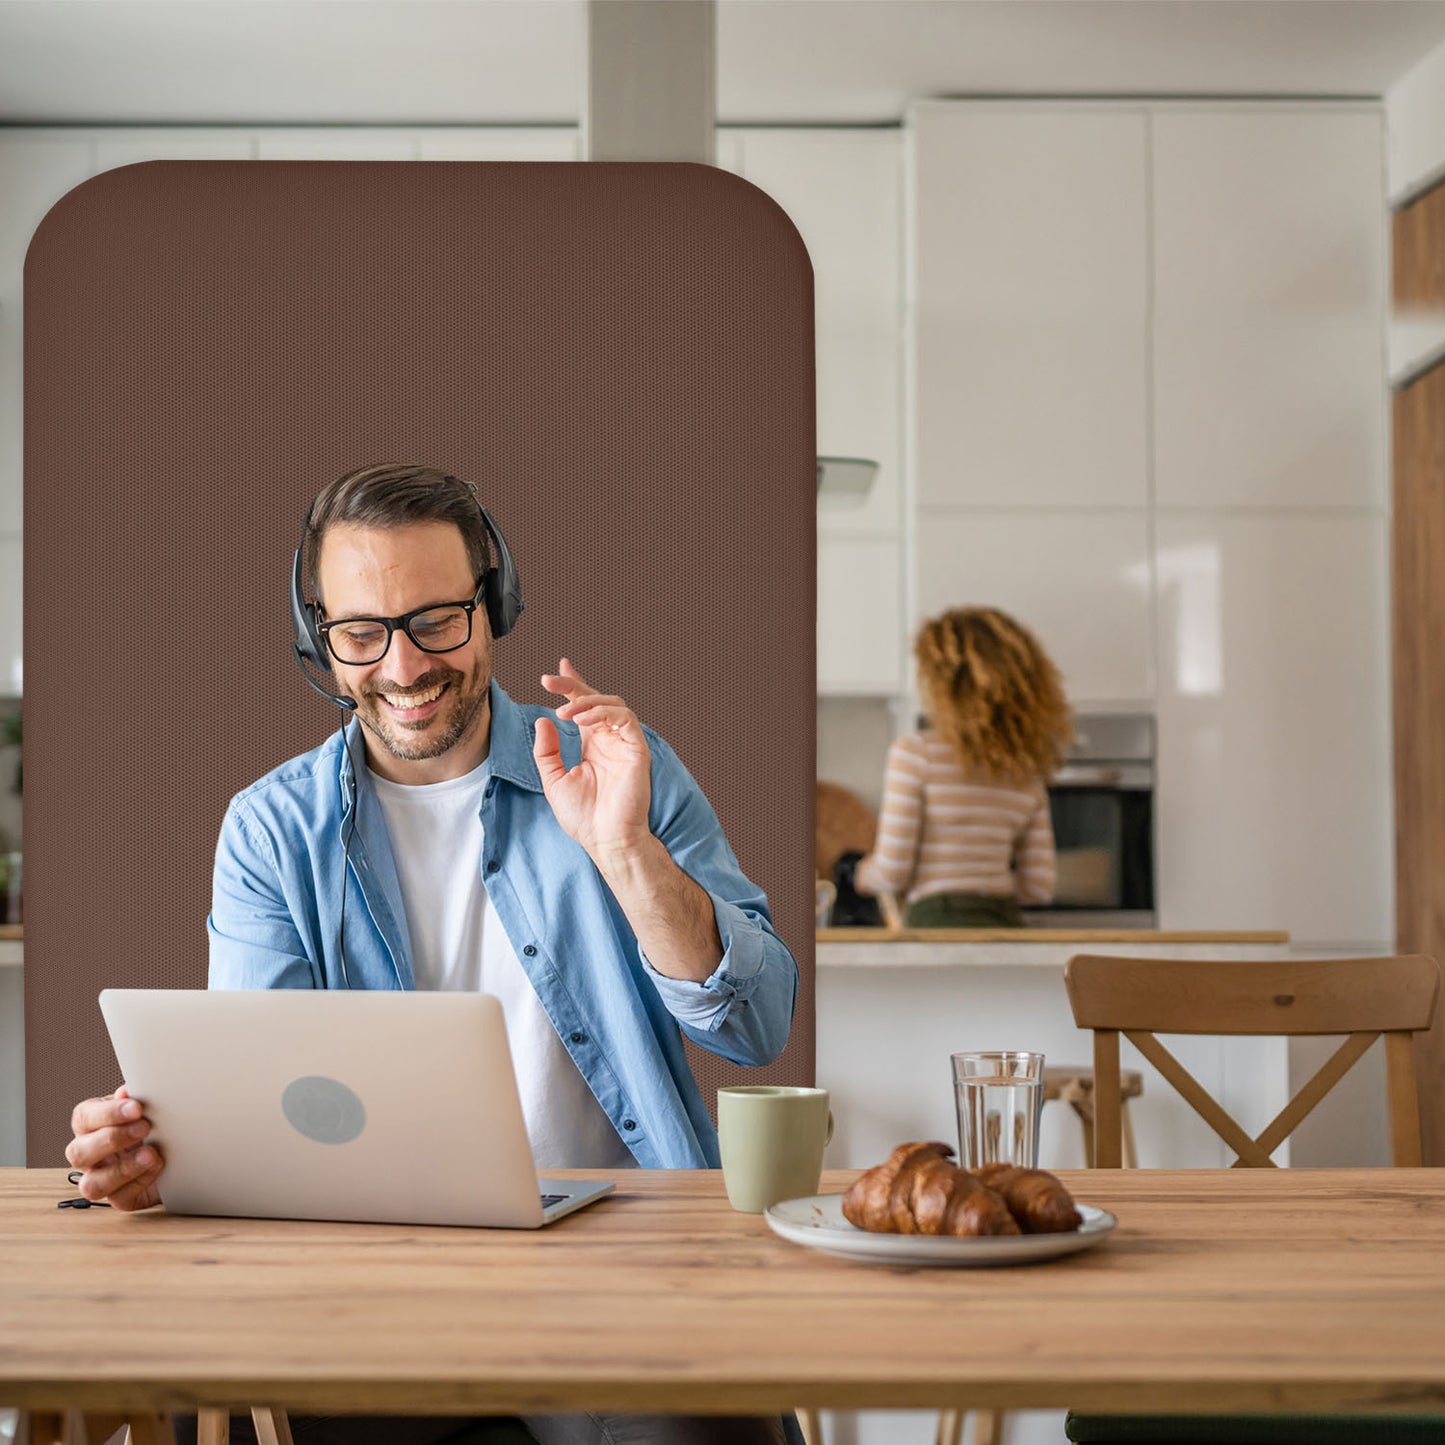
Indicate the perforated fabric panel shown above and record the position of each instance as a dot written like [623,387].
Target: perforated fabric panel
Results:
[620,356]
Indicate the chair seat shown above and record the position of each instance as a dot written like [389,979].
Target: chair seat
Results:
[1060,1079]
[1255,1429]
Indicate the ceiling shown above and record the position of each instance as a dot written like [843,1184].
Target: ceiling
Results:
[395,62]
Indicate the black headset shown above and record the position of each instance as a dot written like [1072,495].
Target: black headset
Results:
[501,592]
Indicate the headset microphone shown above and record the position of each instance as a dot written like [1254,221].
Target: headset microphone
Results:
[349,703]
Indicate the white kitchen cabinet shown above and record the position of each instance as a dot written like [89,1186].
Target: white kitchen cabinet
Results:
[859,616]
[164,143]
[842,190]
[1080,580]
[335,144]
[36,169]
[1029,304]
[1273,800]
[1270,287]
[498,143]
[728,151]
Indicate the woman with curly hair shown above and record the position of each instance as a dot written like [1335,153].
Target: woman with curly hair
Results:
[964,837]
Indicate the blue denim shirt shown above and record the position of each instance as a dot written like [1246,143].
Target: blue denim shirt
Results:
[276,906]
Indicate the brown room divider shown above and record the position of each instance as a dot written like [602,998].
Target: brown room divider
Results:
[619,356]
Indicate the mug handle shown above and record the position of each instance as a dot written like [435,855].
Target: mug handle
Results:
[829,1139]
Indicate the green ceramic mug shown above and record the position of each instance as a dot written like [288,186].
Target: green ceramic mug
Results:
[772,1138]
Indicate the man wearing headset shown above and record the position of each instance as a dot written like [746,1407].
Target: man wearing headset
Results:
[565,861]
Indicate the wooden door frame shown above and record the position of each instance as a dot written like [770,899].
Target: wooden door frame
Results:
[1417,555]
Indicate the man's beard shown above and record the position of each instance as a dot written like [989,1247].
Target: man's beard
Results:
[461,708]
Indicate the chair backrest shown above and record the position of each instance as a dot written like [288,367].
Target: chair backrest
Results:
[1359,997]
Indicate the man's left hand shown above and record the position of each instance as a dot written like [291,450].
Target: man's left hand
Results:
[601,802]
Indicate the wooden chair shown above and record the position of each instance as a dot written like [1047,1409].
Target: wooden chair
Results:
[74,1427]
[1361,998]
[1075,1087]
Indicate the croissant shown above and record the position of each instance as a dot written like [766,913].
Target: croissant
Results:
[1035,1198]
[916,1190]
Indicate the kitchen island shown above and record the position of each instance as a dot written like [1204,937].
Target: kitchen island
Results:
[893,1005]
[873,947]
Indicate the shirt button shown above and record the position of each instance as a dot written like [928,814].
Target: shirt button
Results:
[629,1123]
[530,950]
[492,865]
[579,1038]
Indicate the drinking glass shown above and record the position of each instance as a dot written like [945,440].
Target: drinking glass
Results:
[999,1094]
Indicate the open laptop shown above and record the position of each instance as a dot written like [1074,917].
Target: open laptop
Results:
[397,1108]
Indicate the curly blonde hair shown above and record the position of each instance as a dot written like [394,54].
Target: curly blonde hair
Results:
[993,692]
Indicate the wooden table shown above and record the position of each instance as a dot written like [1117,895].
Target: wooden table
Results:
[1221,1290]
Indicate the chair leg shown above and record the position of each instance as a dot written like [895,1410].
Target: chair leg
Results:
[811,1424]
[273,1426]
[950,1427]
[1131,1154]
[987,1427]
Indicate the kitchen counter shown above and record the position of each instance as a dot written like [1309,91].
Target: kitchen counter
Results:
[1030,947]
[1047,935]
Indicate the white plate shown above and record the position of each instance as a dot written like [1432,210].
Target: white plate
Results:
[818,1223]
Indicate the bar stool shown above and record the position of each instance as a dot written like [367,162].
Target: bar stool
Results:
[1075,1087]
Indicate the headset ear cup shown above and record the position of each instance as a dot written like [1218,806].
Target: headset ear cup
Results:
[492,596]
[310,646]
[502,589]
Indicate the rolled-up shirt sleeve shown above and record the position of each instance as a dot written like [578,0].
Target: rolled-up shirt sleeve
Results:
[743,1011]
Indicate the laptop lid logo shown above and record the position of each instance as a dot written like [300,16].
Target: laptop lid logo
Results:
[323,1109]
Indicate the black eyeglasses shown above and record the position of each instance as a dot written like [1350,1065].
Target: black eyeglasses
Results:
[437,627]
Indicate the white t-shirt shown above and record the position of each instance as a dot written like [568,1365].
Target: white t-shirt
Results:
[458,942]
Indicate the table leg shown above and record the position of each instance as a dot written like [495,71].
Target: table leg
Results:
[987,1427]
[213,1427]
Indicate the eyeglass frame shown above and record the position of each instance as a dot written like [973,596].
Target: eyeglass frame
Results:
[404,623]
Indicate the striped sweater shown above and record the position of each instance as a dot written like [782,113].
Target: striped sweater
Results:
[942,832]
